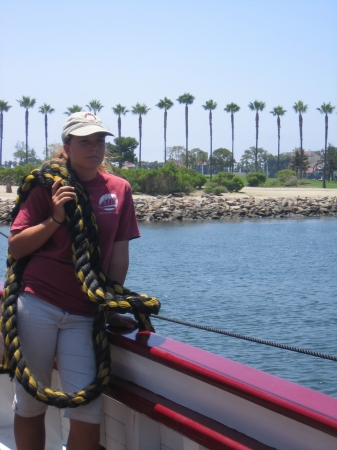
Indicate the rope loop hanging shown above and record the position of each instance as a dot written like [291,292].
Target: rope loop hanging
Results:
[99,288]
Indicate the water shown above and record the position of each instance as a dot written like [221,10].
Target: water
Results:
[270,279]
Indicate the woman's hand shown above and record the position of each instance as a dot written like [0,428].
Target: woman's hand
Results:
[61,195]
[121,321]
[27,241]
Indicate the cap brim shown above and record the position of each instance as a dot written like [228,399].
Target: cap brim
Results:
[91,129]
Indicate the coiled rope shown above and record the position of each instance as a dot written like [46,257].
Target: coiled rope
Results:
[108,295]
[248,338]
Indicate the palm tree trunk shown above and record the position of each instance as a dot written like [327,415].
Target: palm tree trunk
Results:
[325,146]
[256,138]
[301,142]
[278,141]
[140,140]
[165,126]
[1,134]
[46,132]
[120,143]
[186,127]
[232,121]
[26,123]
[210,136]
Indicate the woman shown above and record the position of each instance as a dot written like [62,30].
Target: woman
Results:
[54,316]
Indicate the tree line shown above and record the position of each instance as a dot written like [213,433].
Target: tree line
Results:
[165,104]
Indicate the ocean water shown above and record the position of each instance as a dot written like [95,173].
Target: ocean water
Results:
[269,279]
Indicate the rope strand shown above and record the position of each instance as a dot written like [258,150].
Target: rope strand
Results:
[247,338]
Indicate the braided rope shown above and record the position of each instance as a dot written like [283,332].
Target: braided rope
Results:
[248,338]
[98,287]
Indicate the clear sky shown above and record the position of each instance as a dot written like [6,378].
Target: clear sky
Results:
[71,52]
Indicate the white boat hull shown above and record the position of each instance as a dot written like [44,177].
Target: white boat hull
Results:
[165,395]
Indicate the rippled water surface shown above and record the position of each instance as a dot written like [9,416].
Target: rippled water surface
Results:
[270,279]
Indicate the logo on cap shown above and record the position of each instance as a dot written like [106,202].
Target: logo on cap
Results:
[91,117]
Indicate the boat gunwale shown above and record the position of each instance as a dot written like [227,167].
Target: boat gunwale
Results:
[150,346]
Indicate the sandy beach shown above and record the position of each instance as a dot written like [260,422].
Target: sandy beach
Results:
[256,192]
[260,192]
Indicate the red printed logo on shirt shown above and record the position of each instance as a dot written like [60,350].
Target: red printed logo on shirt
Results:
[108,202]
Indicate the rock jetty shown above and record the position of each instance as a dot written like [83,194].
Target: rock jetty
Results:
[211,207]
[6,207]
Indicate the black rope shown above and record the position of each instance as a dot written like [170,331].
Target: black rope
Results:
[247,338]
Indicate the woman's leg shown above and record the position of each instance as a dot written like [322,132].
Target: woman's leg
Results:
[83,435]
[76,364]
[29,432]
[37,332]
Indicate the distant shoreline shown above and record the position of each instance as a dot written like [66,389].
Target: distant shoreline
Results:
[249,203]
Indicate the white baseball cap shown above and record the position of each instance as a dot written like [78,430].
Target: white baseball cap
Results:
[83,123]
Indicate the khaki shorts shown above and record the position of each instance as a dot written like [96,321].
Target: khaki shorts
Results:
[46,332]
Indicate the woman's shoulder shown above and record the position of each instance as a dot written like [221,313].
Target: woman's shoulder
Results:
[39,191]
[118,182]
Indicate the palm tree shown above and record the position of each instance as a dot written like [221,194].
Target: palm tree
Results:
[187,99]
[95,106]
[210,105]
[256,106]
[232,108]
[140,110]
[27,103]
[46,109]
[300,108]
[278,111]
[73,109]
[325,109]
[4,107]
[165,104]
[119,110]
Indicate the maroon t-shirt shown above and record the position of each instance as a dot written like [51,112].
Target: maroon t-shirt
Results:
[50,274]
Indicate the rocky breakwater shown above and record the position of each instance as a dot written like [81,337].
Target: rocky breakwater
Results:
[210,207]
[6,206]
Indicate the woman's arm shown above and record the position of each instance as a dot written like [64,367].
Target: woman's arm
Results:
[118,267]
[119,261]
[24,242]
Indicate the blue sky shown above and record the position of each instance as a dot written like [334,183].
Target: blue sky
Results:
[71,52]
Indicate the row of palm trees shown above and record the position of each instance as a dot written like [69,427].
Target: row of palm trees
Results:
[27,103]
[187,99]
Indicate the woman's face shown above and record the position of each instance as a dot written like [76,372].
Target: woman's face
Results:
[86,154]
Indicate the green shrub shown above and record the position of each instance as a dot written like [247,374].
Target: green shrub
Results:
[167,180]
[272,182]
[17,173]
[291,181]
[231,182]
[256,179]
[223,177]
[283,175]
[208,189]
[218,190]
[136,188]
[236,184]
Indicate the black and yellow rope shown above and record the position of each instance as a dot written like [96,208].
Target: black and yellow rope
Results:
[108,295]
